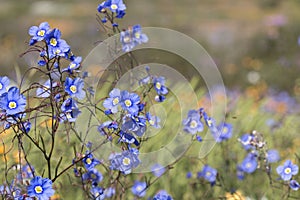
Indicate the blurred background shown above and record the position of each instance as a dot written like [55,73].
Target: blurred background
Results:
[254,43]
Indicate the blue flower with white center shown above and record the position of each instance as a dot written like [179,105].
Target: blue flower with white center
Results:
[224,132]
[75,64]
[249,164]
[117,5]
[208,173]
[93,175]
[75,87]
[158,170]
[97,193]
[110,125]
[287,170]
[139,188]
[39,33]
[210,122]
[192,123]
[124,162]
[130,101]
[12,101]
[4,82]
[89,161]
[44,91]
[70,110]
[273,156]
[162,195]
[159,98]
[56,46]
[153,120]
[41,188]
[294,185]
[159,85]
[113,101]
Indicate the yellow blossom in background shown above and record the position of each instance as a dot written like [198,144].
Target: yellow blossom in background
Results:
[235,196]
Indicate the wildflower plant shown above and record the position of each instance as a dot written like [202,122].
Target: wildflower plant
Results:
[116,133]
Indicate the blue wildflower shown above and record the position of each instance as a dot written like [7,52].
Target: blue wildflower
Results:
[117,5]
[210,122]
[124,162]
[12,101]
[159,98]
[249,164]
[41,188]
[25,126]
[199,138]
[273,156]
[4,82]
[75,64]
[224,132]
[294,185]
[162,195]
[139,189]
[70,110]
[132,37]
[109,192]
[113,101]
[39,33]
[56,46]
[75,87]
[209,174]
[287,170]
[89,161]
[125,137]
[192,123]
[159,85]
[134,124]
[189,175]
[153,120]
[93,175]
[130,101]
[158,170]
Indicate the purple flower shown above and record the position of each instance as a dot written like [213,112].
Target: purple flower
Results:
[162,195]
[224,132]
[4,82]
[12,101]
[129,102]
[294,185]
[273,156]
[158,170]
[249,164]
[56,46]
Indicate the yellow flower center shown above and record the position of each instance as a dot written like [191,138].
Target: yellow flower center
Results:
[288,170]
[57,51]
[248,165]
[151,122]
[1,86]
[225,129]
[128,103]
[73,89]
[139,188]
[88,161]
[41,33]
[209,122]
[12,105]
[158,85]
[137,35]
[115,101]
[72,65]
[193,124]
[53,42]
[208,174]
[38,189]
[114,6]
[127,39]
[126,161]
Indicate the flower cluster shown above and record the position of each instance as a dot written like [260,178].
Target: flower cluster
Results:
[287,171]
